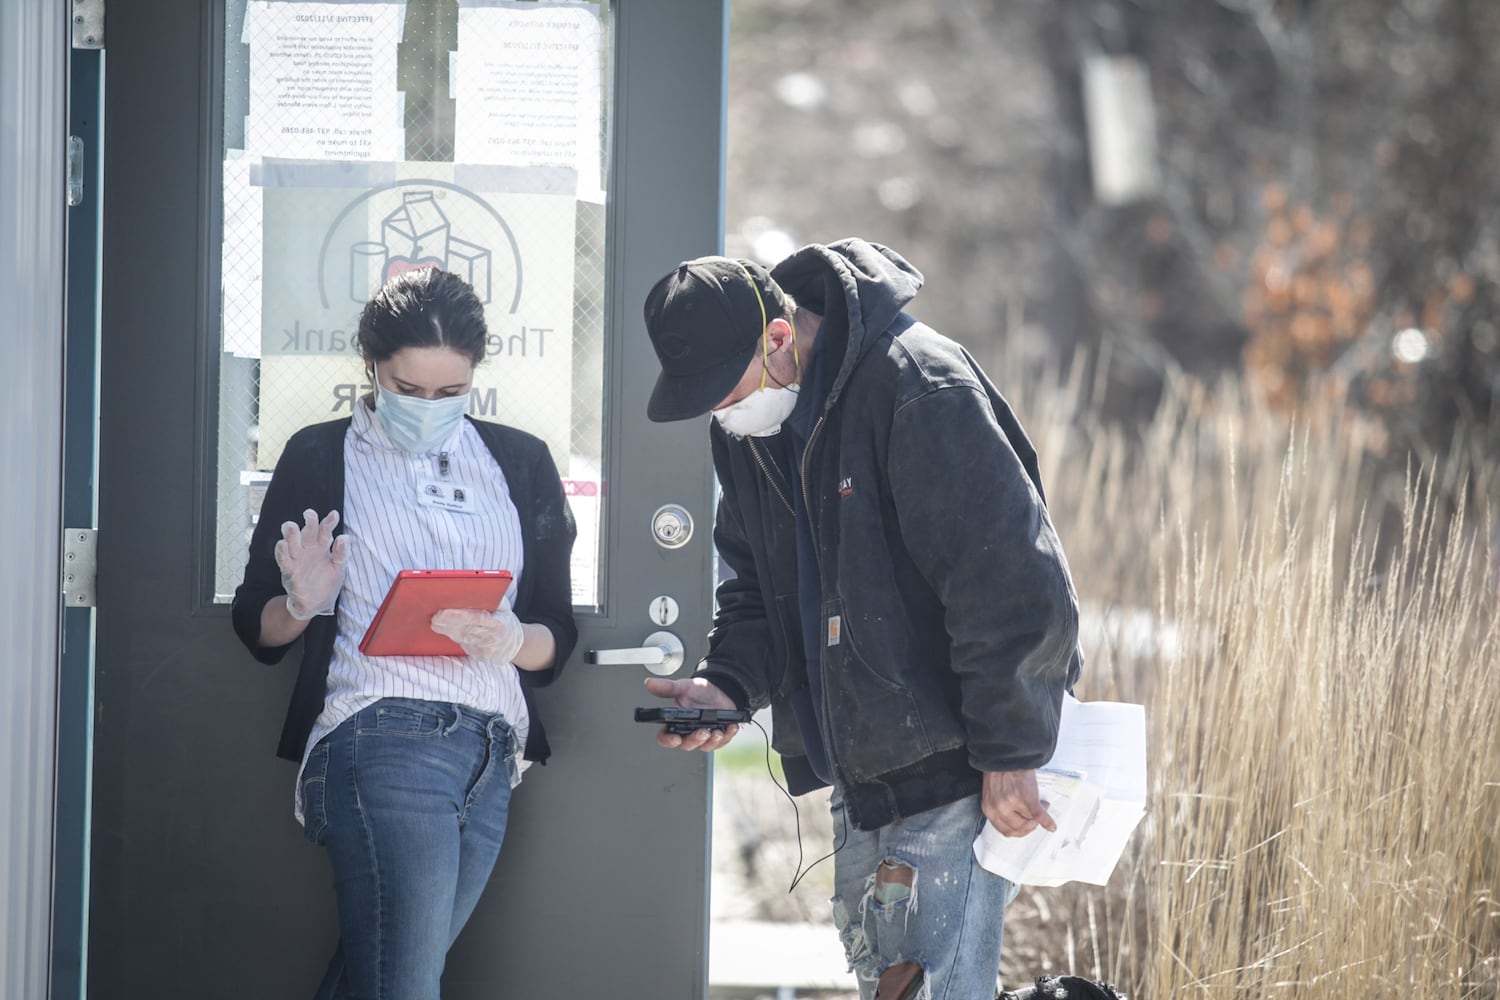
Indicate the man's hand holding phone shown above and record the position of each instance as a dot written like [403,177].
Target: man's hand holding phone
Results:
[692,692]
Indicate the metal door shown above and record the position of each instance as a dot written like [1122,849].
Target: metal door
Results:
[201,883]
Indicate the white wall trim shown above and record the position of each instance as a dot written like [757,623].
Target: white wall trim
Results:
[34,47]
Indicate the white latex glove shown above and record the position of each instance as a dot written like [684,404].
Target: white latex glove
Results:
[483,635]
[312,564]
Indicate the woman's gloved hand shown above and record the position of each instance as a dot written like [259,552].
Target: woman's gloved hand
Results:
[312,564]
[483,635]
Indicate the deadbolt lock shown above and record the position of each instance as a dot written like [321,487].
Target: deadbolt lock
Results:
[671,526]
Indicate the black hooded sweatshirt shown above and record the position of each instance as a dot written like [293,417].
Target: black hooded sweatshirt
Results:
[949,621]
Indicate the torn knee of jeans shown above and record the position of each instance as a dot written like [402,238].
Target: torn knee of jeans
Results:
[852,935]
[894,881]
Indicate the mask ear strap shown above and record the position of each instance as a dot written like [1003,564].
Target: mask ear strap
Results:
[765,341]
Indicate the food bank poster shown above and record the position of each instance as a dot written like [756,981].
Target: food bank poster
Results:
[327,250]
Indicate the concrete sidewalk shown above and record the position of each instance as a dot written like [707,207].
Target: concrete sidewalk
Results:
[783,960]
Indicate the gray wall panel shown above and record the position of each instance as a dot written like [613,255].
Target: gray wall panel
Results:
[33,62]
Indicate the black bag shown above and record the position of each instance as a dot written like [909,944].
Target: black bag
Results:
[1064,988]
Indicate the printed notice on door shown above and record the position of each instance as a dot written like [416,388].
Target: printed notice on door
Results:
[323,80]
[526,81]
[327,250]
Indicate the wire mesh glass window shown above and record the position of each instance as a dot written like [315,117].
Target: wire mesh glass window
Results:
[366,138]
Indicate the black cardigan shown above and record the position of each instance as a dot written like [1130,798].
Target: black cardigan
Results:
[310,474]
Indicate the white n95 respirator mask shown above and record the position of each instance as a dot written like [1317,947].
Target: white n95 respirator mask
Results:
[759,414]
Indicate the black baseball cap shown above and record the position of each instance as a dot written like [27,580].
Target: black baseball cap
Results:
[706,319]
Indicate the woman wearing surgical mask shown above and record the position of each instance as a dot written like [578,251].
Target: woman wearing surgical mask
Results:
[407,762]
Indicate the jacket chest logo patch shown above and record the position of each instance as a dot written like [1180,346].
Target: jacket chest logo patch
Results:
[835,629]
[846,486]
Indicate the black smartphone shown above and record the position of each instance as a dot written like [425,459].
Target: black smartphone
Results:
[682,721]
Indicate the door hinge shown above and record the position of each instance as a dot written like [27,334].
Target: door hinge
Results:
[79,570]
[75,171]
[88,24]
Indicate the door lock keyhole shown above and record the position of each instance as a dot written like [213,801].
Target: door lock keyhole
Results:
[671,526]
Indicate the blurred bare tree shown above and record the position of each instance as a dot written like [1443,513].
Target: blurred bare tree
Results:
[1307,191]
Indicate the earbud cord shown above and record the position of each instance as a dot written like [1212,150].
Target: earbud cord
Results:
[801,872]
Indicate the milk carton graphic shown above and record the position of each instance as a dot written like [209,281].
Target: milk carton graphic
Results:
[416,234]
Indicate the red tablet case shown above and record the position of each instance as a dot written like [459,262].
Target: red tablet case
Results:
[403,625]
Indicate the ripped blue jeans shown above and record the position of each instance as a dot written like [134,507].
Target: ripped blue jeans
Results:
[911,891]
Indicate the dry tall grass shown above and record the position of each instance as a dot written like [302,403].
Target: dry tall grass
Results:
[1317,646]
[1319,654]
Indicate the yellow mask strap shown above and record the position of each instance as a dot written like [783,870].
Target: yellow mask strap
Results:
[765,341]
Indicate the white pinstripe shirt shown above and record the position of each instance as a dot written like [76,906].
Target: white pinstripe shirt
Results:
[389,530]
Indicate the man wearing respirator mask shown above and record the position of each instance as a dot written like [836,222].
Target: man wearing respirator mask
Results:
[900,598]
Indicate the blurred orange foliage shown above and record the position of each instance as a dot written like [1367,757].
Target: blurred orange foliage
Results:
[1310,292]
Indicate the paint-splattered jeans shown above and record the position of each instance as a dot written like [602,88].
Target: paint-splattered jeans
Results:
[912,892]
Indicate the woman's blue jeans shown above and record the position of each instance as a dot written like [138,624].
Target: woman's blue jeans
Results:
[912,891]
[410,798]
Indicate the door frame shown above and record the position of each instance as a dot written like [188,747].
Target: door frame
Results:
[34,45]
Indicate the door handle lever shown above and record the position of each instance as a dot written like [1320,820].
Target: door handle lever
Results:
[661,653]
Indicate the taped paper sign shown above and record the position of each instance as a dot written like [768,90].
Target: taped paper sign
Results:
[323,80]
[526,81]
[328,250]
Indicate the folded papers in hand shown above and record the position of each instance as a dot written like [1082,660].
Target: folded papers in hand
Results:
[1095,790]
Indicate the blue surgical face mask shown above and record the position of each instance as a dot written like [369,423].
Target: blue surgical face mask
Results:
[414,424]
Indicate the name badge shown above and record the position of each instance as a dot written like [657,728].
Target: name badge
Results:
[445,494]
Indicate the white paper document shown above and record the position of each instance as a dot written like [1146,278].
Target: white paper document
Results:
[323,80]
[526,79]
[1095,787]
